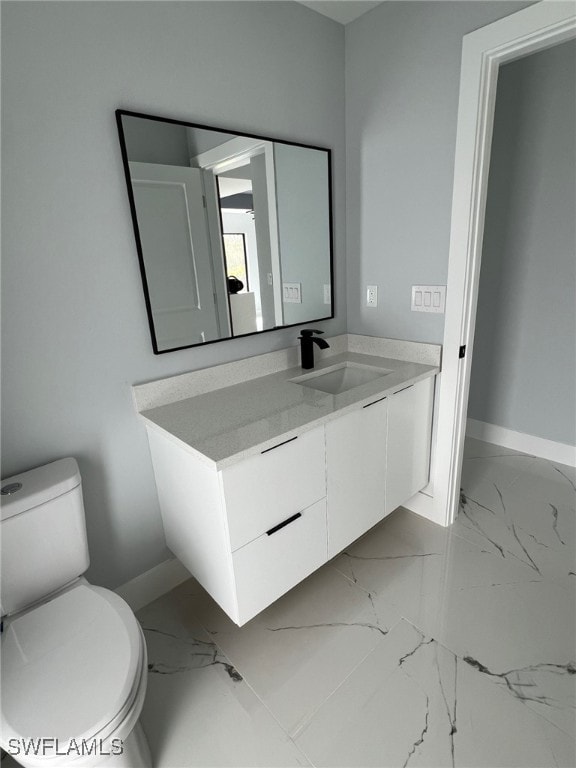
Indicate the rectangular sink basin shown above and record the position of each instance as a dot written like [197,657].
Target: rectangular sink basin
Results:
[340,378]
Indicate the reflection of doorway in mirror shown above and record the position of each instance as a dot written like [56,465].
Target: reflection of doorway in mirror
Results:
[241,222]
[236,198]
[243,184]
[235,256]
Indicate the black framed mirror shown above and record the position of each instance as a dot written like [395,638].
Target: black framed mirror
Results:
[209,203]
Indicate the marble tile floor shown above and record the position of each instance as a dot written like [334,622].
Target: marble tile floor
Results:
[418,646]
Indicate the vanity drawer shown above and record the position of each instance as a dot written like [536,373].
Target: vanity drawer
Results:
[264,490]
[268,567]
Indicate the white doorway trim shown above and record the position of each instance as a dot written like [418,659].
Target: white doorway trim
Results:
[533,29]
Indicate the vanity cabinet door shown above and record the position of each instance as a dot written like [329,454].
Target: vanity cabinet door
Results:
[275,562]
[356,472]
[409,436]
[265,489]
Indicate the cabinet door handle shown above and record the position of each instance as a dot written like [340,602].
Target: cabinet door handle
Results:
[279,444]
[283,524]
[373,402]
[403,388]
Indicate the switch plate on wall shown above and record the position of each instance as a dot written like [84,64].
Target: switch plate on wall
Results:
[428,298]
[371,295]
[292,293]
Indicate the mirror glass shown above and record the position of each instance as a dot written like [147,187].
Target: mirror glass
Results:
[233,231]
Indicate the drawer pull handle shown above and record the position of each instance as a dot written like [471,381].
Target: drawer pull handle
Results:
[285,523]
[279,444]
[403,388]
[373,402]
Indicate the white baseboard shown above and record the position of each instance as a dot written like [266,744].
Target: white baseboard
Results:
[518,441]
[152,584]
[423,504]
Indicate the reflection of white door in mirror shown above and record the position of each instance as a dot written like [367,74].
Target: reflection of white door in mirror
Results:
[176,253]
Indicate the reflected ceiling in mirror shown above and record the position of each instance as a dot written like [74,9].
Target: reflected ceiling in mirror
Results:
[233,231]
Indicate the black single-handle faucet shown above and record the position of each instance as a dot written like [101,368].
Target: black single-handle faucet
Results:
[307,341]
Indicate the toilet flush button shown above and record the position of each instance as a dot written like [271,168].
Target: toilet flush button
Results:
[8,490]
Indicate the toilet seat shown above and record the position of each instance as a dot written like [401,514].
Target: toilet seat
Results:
[81,659]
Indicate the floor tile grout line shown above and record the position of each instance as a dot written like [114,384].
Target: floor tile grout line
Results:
[293,736]
[308,721]
[253,690]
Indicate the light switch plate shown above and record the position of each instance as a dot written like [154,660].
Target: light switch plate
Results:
[292,293]
[327,293]
[428,298]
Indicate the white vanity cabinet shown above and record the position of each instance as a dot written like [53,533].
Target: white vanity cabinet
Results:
[355,473]
[377,458]
[409,437]
[252,530]
[248,532]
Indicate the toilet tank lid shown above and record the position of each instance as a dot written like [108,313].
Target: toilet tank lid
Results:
[38,486]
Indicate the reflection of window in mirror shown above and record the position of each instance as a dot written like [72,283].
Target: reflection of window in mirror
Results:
[235,255]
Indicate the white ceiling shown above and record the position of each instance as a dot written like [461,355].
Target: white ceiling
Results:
[340,10]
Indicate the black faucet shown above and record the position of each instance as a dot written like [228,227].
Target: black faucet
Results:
[307,341]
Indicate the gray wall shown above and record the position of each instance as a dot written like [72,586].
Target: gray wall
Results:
[303,227]
[524,366]
[201,140]
[74,327]
[150,141]
[402,80]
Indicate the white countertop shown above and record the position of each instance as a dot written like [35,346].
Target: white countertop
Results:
[234,422]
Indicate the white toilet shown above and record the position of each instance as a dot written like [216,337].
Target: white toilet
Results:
[74,663]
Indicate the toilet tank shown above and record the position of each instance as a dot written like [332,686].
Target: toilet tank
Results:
[42,534]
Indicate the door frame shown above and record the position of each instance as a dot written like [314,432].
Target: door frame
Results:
[533,29]
[233,154]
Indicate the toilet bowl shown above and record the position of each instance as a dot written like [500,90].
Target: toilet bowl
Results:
[74,661]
